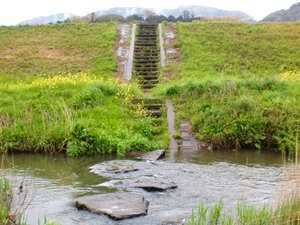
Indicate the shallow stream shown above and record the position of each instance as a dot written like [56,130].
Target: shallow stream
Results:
[56,181]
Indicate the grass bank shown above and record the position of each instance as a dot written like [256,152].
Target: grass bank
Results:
[238,83]
[79,109]
[30,50]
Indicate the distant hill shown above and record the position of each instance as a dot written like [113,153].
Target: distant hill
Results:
[47,19]
[197,10]
[289,15]
[203,11]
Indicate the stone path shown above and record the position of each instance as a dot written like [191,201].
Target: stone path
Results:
[171,125]
[188,141]
[128,67]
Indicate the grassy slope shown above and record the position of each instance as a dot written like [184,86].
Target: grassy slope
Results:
[235,83]
[27,51]
[57,91]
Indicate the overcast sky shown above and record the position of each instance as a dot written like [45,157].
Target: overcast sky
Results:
[15,11]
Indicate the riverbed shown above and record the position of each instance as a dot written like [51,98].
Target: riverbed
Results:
[53,182]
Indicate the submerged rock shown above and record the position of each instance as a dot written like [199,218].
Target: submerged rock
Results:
[152,156]
[116,205]
[113,167]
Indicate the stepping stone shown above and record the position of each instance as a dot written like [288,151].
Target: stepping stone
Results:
[152,156]
[146,183]
[152,185]
[113,167]
[118,206]
[187,142]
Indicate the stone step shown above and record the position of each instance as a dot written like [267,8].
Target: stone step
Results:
[145,67]
[148,86]
[148,77]
[156,54]
[146,36]
[149,106]
[147,98]
[146,45]
[153,81]
[154,38]
[142,61]
[147,51]
[146,57]
[146,73]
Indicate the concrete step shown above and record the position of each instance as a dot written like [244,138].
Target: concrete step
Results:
[147,77]
[149,106]
[146,57]
[147,86]
[152,81]
[142,61]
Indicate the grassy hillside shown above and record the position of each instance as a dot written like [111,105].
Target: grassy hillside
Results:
[239,48]
[57,92]
[28,51]
[239,83]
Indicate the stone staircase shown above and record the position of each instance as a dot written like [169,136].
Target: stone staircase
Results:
[146,56]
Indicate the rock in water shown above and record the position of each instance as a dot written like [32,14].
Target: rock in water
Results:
[116,205]
[152,156]
[153,185]
[113,167]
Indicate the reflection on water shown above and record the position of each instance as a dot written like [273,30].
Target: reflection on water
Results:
[201,176]
[243,157]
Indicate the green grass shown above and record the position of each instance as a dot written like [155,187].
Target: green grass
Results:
[8,215]
[28,51]
[76,113]
[238,48]
[77,109]
[239,83]
[285,213]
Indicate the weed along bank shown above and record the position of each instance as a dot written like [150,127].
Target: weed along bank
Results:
[106,122]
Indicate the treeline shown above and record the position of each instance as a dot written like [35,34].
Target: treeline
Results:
[147,16]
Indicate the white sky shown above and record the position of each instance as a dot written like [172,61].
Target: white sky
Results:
[15,11]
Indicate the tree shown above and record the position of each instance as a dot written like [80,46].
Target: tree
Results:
[186,15]
[75,19]
[93,17]
[147,13]
[110,17]
[171,19]
[180,18]
[86,19]
[192,15]
[134,17]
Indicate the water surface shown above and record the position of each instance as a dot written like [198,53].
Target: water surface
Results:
[57,180]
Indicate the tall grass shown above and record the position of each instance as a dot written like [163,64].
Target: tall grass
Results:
[77,113]
[13,200]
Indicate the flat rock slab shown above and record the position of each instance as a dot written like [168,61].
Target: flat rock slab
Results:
[152,156]
[116,205]
[148,184]
[113,167]
[152,185]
